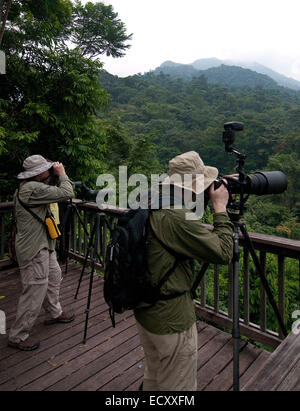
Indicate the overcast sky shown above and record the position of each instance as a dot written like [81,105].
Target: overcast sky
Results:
[265,31]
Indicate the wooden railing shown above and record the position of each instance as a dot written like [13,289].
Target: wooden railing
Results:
[215,302]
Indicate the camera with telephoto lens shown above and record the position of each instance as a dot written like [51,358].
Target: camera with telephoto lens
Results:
[84,192]
[258,183]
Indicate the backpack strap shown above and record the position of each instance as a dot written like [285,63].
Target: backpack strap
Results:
[27,208]
[178,258]
[177,261]
[198,279]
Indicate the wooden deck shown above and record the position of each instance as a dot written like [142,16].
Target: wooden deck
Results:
[283,362]
[112,358]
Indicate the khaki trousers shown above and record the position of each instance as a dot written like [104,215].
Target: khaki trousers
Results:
[41,280]
[170,360]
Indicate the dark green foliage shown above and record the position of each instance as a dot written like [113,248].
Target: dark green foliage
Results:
[97,27]
[51,93]
[189,115]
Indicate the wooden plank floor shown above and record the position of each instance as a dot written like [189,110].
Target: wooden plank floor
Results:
[112,358]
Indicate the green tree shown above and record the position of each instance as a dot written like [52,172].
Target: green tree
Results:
[95,28]
[51,93]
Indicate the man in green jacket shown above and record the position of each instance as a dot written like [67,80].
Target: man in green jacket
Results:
[39,269]
[168,329]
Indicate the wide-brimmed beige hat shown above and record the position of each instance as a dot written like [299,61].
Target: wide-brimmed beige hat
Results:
[188,172]
[33,166]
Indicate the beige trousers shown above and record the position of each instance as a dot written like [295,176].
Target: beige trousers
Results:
[170,360]
[41,280]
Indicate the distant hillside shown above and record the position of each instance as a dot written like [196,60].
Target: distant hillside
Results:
[228,73]
[279,78]
[225,75]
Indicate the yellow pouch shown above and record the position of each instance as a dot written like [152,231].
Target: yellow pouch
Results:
[52,228]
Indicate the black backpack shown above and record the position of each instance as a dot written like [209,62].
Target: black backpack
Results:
[127,281]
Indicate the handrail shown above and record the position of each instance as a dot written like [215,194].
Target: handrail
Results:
[209,305]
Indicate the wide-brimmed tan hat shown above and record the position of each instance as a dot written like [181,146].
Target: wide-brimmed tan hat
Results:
[188,172]
[33,166]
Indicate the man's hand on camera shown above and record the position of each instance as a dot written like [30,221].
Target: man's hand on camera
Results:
[58,169]
[219,198]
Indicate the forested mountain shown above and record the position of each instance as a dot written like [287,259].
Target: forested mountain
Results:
[224,74]
[228,72]
[168,116]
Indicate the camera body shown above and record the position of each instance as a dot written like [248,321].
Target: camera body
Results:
[229,133]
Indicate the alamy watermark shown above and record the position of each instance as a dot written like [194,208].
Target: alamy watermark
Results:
[296,324]
[152,194]
[2,62]
[2,322]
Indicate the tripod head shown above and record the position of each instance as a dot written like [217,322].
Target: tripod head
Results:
[229,133]
[235,208]
[258,183]
[228,139]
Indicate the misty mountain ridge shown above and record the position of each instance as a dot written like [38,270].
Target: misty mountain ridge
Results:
[229,72]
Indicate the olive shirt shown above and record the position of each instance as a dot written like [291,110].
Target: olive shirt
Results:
[191,239]
[31,234]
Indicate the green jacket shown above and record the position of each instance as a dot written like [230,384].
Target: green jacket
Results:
[191,239]
[31,235]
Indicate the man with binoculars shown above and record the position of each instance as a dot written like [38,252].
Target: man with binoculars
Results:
[35,248]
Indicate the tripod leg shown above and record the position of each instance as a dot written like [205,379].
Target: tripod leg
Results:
[64,242]
[264,280]
[236,321]
[80,220]
[85,260]
[87,311]
[85,230]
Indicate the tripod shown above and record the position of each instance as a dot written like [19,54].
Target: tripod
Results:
[66,230]
[92,248]
[235,211]
[240,226]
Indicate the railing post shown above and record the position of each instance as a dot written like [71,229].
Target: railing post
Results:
[216,288]
[281,293]
[203,291]
[230,291]
[246,285]
[263,305]
[2,241]
[299,284]
[85,238]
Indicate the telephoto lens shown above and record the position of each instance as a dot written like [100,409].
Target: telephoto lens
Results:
[259,183]
[268,182]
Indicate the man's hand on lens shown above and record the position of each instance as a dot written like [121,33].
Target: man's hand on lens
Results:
[58,169]
[219,198]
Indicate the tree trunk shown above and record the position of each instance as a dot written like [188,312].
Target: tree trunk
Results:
[4,15]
